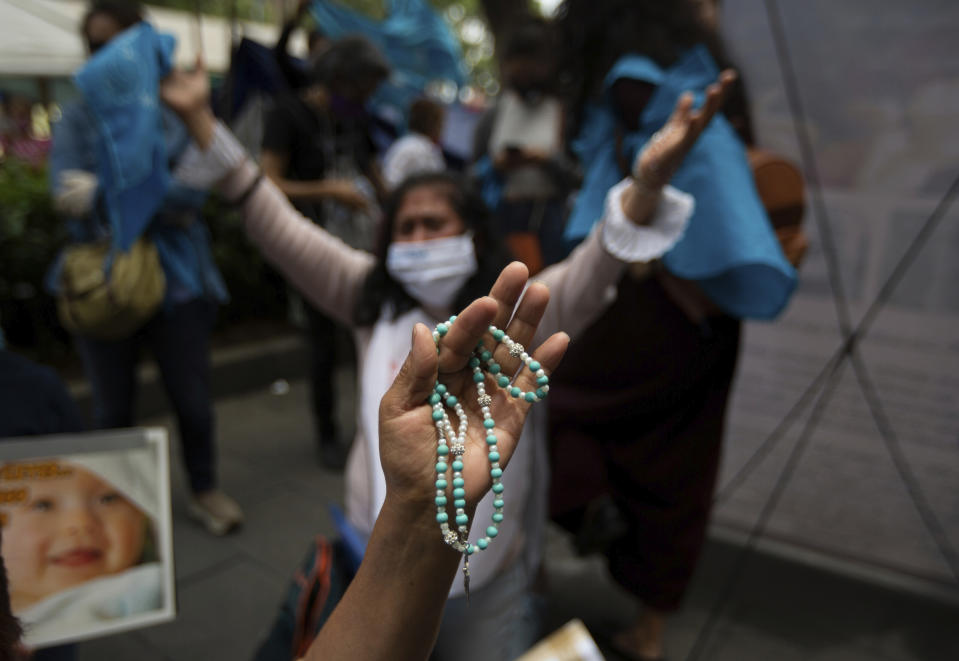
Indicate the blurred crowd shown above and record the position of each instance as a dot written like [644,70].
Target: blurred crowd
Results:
[643,209]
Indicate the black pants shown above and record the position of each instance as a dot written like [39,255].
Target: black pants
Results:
[329,344]
[179,339]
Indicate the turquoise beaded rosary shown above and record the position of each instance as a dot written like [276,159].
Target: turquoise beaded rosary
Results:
[453,444]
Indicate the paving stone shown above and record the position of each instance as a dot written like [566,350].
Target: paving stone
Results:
[223,615]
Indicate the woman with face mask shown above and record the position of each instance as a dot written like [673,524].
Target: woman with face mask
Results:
[435,255]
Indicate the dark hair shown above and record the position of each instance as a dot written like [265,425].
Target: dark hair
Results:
[314,36]
[491,256]
[426,116]
[532,37]
[596,33]
[10,629]
[351,59]
[126,14]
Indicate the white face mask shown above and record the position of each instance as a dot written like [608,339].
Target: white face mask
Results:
[433,271]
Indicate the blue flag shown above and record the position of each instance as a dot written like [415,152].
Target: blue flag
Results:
[416,41]
[729,248]
[120,85]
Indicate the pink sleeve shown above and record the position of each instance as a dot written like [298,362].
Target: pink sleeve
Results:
[581,287]
[324,269]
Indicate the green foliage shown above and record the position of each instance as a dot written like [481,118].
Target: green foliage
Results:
[32,234]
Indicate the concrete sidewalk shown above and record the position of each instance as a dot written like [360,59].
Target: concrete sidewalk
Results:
[229,589]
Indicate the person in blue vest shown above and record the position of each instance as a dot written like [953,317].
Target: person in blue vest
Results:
[179,334]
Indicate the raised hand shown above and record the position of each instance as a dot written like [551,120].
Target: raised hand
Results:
[666,149]
[408,435]
[186,92]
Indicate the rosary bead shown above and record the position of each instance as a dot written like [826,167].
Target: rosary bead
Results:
[453,445]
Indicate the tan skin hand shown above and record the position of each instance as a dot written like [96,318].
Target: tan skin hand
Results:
[409,458]
[664,153]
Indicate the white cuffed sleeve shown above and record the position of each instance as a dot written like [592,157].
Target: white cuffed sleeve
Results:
[630,242]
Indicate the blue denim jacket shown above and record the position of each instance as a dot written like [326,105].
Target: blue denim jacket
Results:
[181,238]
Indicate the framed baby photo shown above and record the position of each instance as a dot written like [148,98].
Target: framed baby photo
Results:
[87,533]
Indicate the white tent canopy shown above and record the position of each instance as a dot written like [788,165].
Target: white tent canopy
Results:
[41,37]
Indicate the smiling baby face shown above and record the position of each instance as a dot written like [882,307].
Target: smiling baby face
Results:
[68,529]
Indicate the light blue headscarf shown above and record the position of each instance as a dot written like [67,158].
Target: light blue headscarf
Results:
[120,85]
[729,248]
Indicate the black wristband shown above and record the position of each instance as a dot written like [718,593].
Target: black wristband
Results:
[244,196]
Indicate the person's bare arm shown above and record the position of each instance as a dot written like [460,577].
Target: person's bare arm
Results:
[274,166]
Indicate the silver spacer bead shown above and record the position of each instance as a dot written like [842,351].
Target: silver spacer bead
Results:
[516,350]
[485,400]
[457,449]
[452,538]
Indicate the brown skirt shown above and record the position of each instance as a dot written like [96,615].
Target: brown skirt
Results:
[636,415]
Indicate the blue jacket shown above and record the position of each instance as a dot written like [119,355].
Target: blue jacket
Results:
[181,238]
